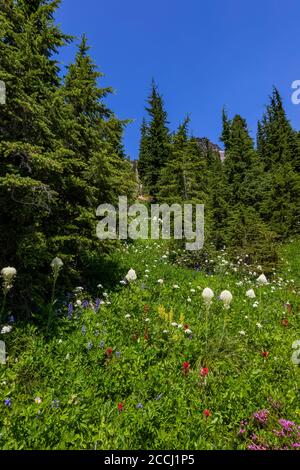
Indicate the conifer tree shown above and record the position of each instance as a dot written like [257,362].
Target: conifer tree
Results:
[183,177]
[158,142]
[278,149]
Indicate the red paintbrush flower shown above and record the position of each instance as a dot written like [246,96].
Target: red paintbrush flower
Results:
[109,352]
[285,322]
[204,371]
[186,367]
[120,406]
[207,413]
[186,327]
[265,353]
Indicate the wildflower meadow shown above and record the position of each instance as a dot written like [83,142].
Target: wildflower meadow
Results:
[169,358]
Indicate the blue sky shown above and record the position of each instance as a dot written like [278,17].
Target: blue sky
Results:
[202,54]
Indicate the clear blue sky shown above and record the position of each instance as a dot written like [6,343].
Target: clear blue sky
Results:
[203,54]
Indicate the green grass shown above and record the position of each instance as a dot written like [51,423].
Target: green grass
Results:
[80,385]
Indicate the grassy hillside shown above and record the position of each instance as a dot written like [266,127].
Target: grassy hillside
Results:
[124,375]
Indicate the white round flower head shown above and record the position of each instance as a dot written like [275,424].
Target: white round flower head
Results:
[131,276]
[56,264]
[250,294]
[226,297]
[296,344]
[208,295]
[262,280]
[8,274]
[188,331]
[127,316]
[160,281]
[6,329]
[296,357]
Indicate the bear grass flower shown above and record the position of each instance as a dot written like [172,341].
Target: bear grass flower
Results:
[131,276]
[296,354]
[226,297]
[262,280]
[208,295]
[8,274]
[250,294]
[56,264]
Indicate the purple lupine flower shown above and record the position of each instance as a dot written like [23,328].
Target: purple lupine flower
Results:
[70,310]
[11,319]
[139,406]
[97,305]
[85,304]
[7,402]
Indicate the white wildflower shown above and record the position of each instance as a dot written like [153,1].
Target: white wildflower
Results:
[207,295]
[226,297]
[131,275]
[6,329]
[250,294]
[262,280]
[56,264]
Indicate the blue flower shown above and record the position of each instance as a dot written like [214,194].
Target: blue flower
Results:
[7,402]
[140,406]
[11,319]
[97,305]
[70,310]
[85,304]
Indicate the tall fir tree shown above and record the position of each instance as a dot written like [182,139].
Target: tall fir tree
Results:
[182,179]
[155,143]
[279,152]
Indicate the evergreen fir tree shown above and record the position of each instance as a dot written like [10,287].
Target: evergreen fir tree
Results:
[156,154]
[279,152]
